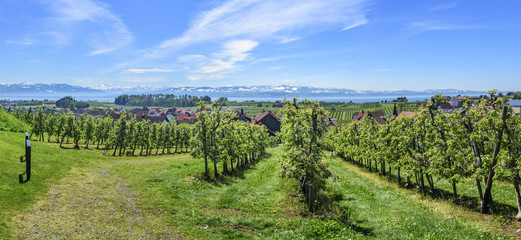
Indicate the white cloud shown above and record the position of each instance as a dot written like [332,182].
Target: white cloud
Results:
[358,22]
[144,80]
[237,50]
[106,33]
[217,66]
[101,51]
[221,63]
[437,26]
[384,69]
[256,19]
[153,70]
[288,39]
[444,6]
[274,68]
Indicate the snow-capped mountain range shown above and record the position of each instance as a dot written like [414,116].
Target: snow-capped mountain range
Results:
[282,91]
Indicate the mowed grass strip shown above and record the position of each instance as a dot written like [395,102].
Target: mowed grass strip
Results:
[257,204]
[253,203]
[395,213]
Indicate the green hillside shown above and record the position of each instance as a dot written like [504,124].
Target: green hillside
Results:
[10,123]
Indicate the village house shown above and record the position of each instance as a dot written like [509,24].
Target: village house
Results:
[270,120]
[516,106]
[377,115]
[153,119]
[241,116]
[186,118]
[447,107]
[331,122]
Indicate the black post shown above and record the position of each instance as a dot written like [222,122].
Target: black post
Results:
[27,160]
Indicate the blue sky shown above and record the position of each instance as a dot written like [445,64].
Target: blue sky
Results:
[357,44]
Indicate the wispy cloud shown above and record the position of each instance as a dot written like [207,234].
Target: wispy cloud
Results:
[109,34]
[444,6]
[358,22]
[220,63]
[437,26]
[384,69]
[106,32]
[144,80]
[152,70]
[266,19]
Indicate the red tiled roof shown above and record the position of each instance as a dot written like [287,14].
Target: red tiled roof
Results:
[181,117]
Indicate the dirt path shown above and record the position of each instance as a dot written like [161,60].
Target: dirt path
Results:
[90,203]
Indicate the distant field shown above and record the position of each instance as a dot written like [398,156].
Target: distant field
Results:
[344,112]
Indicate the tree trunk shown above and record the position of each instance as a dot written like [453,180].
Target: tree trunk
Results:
[518,196]
[399,176]
[422,183]
[216,174]
[231,164]
[480,191]
[431,182]
[487,198]
[225,167]
[206,173]
[454,192]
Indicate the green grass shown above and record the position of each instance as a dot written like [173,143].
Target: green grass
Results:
[255,203]
[388,212]
[49,165]
[9,122]
[259,204]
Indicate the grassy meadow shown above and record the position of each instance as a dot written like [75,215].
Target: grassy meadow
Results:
[79,193]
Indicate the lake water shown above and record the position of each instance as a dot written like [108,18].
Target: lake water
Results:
[355,99]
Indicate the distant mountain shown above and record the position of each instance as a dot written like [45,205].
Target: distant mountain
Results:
[52,91]
[14,88]
[303,91]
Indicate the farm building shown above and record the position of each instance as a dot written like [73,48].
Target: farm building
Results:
[270,120]
[241,116]
[516,105]
[153,119]
[377,115]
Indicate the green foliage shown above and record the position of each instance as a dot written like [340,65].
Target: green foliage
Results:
[219,139]
[301,132]
[162,100]
[9,122]
[465,144]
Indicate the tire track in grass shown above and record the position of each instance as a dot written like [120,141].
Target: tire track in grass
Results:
[89,203]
